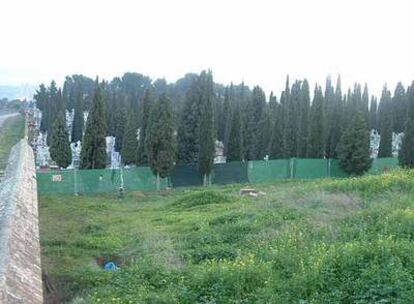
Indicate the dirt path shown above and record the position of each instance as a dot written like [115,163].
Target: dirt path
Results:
[3,117]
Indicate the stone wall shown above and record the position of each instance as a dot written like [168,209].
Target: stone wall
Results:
[20,272]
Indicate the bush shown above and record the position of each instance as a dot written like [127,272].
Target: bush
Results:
[201,198]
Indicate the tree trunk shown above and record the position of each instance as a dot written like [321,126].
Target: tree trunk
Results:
[205,180]
[158,181]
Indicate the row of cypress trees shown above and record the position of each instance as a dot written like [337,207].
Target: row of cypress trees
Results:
[332,125]
[155,145]
[155,142]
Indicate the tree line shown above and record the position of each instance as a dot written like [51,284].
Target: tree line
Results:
[160,124]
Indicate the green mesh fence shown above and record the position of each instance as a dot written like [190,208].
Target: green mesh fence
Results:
[380,165]
[335,169]
[186,175]
[55,181]
[264,171]
[310,168]
[230,173]
[97,180]
[142,179]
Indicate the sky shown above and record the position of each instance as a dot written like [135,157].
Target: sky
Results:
[258,42]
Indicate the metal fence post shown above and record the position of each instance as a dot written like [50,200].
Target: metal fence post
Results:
[329,167]
[292,173]
[75,181]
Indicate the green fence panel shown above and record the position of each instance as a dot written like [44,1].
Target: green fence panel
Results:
[141,179]
[55,181]
[336,170]
[310,168]
[264,171]
[230,173]
[186,175]
[380,165]
[96,181]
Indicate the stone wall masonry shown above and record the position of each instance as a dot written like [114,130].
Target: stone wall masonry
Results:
[20,272]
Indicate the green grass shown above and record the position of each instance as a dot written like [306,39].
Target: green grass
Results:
[321,241]
[11,131]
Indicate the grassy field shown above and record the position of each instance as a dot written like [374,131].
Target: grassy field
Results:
[321,241]
[11,132]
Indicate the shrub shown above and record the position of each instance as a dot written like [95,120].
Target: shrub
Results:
[201,198]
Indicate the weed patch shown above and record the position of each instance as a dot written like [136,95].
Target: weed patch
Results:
[201,198]
[326,241]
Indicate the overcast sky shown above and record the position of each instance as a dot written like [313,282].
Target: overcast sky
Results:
[257,41]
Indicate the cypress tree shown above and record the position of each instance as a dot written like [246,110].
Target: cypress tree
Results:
[406,153]
[273,107]
[60,150]
[243,95]
[255,120]
[189,126]
[295,115]
[365,103]
[337,120]
[276,142]
[111,108]
[354,147]
[52,109]
[373,109]
[146,112]
[234,149]
[227,117]
[348,110]
[120,119]
[53,92]
[249,128]
[357,104]
[354,105]
[264,134]
[316,147]
[303,121]
[385,124]
[289,120]
[330,123]
[272,104]
[115,102]
[222,113]
[399,108]
[41,98]
[218,110]
[410,101]
[67,93]
[106,94]
[93,154]
[160,139]
[206,134]
[78,122]
[130,141]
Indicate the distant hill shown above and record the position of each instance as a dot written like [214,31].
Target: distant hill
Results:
[24,91]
